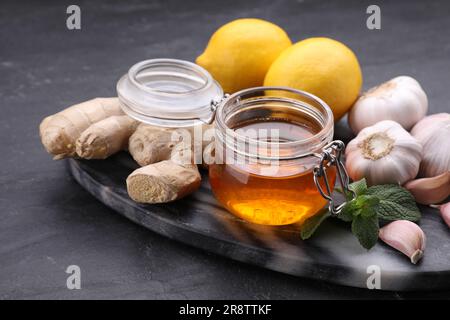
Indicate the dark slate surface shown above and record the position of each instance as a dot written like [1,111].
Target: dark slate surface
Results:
[49,222]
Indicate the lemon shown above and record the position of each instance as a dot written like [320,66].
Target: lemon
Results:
[321,66]
[240,52]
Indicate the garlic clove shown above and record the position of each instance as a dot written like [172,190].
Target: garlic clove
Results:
[433,132]
[383,153]
[405,236]
[401,99]
[445,212]
[430,190]
[444,209]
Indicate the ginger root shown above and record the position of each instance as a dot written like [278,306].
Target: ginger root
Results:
[162,182]
[105,137]
[98,128]
[60,131]
[149,144]
[167,180]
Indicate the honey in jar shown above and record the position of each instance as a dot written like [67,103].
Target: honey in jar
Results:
[268,178]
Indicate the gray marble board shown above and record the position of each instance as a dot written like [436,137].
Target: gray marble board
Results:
[333,254]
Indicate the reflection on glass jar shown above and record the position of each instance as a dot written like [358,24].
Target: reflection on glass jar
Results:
[267,143]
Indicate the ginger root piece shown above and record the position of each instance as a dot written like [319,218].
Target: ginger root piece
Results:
[105,137]
[60,131]
[162,182]
[167,180]
[149,144]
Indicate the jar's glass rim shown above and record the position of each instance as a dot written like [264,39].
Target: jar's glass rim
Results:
[176,63]
[327,127]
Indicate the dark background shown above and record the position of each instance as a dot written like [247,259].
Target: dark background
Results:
[47,221]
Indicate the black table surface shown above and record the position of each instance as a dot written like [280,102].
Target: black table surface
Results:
[48,222]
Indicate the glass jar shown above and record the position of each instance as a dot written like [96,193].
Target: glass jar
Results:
[267,145]
[275,162]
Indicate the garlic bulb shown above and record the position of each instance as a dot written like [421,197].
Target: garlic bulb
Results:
[383,153]
[406,237]
[401,99]
[433,132]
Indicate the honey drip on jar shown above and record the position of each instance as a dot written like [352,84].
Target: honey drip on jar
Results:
[289,195]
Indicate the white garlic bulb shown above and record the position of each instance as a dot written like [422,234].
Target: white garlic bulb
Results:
[401,99]
[433,132]
[383,153]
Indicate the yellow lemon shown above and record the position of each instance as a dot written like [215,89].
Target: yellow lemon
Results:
[321,66]
[239,53]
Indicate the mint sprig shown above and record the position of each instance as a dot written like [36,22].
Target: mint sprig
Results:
[371,204]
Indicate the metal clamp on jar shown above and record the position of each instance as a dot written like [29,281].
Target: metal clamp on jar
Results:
[275,161]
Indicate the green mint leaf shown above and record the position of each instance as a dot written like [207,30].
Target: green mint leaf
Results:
[368,212]
[366,230]
[350,209]
[396,203]
[363,204]
[358,187]
[310,225]
[368,205]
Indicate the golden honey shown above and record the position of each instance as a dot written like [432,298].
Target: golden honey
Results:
[266,148]
[288,195]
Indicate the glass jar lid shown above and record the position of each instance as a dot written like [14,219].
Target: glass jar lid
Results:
[169,93]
